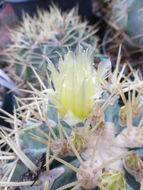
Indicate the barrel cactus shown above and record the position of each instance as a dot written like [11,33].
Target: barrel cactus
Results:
[68,135]
[127,14]
[42,38]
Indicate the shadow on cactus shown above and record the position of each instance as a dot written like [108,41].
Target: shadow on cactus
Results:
[68,135]
[41,39]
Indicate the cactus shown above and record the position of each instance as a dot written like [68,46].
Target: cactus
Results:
[127,14]
[68,135]
[41,39]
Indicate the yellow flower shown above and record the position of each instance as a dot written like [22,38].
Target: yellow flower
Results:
[77,84]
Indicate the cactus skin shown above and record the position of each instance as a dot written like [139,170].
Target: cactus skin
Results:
[113,180]
[41,39]
[127,14]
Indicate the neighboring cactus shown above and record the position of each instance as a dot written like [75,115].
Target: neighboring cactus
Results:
[41,39]
[46,150]
[127,14]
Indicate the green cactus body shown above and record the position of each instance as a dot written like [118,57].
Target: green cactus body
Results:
[134,26]
[113,180]
[128,14]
